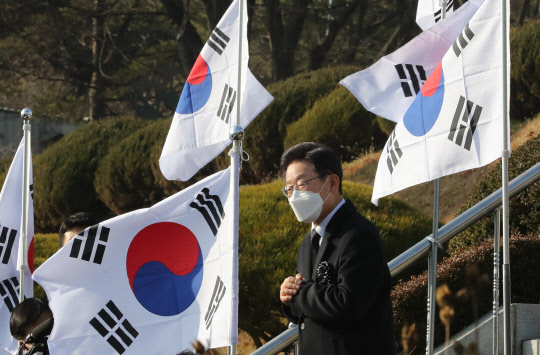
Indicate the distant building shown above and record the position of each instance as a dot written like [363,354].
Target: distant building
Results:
[43,132]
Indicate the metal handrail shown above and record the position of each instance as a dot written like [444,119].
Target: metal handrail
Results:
[422,248]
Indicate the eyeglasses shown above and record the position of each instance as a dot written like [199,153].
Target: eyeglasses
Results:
[300,185]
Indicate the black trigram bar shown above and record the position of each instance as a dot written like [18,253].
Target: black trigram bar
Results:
[227,103]
[32,191]
[438,14]
[461,41]
[217,296]
[7,238]
[111,324]
[205,202]
[394,152]
[92,245]
[417,78]
[466,127]
[218,41]
[9,291]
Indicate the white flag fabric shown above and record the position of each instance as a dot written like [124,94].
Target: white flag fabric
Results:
[10,225]
[429,12]
[456,122]
[389,86]
[206,109]
[150,281]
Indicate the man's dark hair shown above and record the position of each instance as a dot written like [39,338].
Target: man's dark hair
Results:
[323,159]
[77,220]
[26,313]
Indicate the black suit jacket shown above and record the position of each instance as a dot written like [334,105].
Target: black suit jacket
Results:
[352,314]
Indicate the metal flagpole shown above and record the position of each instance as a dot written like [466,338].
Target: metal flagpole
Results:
[496,261]
[432,270]
[236,134]
[432,259]
[22,261]
[443,4]
[504,187]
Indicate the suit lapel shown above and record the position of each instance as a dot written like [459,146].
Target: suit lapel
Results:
[332,229]
[322,250]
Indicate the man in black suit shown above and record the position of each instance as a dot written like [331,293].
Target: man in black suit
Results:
[340,296]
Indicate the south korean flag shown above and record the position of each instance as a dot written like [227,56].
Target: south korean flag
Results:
[10,225]
[456,121]
[152,281]
[207,106]
[430,12]
[389,87]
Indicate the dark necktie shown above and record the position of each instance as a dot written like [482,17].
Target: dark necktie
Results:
[315,238]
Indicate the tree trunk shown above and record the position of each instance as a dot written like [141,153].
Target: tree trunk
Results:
[97,107]
[523,11]
[285,40]
[189,41]
[319,52]
[215,10]
[357,31]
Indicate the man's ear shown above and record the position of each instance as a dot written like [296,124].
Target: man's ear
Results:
[334,183]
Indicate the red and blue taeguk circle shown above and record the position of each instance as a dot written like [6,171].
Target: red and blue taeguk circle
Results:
[426,107]
[165,268]
[197,88]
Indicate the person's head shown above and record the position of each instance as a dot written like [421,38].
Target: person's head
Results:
[26,316]
[314,168]
[75,224]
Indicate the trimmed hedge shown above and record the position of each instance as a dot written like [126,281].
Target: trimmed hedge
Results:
[292,98]
[341,122]
[270,236]
[124,179]
[64,172]
[525,71]
[409,298]
[45,245]
[524,208]
[128,177]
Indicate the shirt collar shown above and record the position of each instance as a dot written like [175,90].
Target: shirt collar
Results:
[321,228]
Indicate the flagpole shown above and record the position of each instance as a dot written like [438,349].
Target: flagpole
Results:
[504,187]
[22,261]
[432,270]
[432,259]
[236,134]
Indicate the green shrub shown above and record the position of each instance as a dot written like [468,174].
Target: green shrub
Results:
[386,126]
[64,172]
[45,245]
[128,177]
[524,208]
[270,236]
[5,163]
[292,97]
[339,121]
[124,179]
[409,298]
[525,71]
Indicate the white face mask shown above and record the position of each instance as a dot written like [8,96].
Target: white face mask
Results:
[307,205]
